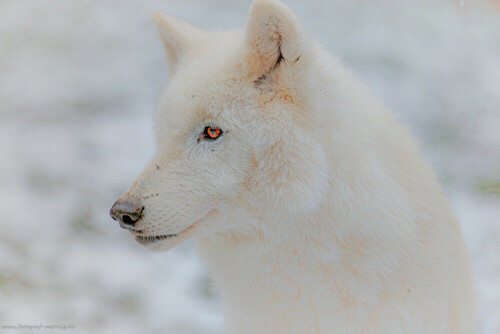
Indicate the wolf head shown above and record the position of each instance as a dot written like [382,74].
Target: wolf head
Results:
[236,132]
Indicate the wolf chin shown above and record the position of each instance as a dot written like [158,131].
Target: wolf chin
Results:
[307,200]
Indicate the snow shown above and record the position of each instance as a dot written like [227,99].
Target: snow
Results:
[78,85]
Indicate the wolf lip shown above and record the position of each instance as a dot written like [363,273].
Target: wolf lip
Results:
[144,240]
[151,239]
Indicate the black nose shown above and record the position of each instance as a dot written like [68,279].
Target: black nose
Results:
[127,211]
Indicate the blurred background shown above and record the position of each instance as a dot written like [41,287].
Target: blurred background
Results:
[78,85]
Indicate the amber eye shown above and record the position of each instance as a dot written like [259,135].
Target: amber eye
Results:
[212,132]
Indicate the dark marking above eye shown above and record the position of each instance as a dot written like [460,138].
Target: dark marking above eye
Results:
[260,80]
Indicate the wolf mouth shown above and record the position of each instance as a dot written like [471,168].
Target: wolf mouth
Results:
[143,240]
[146,240]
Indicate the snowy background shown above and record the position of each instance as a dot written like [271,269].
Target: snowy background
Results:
[78,84]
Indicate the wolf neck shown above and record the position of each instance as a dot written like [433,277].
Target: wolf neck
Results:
[266,275]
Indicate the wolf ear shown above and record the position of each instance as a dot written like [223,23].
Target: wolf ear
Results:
[177,36]
[274,34]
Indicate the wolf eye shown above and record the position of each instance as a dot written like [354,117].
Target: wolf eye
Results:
[211,132]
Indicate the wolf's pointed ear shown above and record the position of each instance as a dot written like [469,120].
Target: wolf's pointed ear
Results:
[274,34]
[177,36]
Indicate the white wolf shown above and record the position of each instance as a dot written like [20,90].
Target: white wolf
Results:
[307,200]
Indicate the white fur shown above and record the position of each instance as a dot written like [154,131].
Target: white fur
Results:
[314,210]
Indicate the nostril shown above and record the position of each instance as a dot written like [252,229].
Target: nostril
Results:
[126,219]
[127,212]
